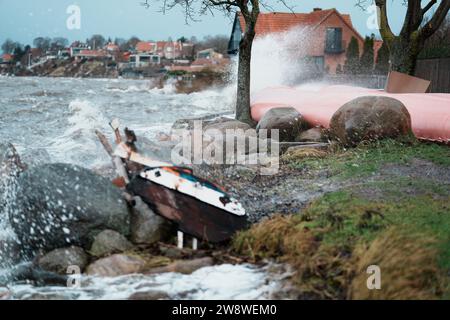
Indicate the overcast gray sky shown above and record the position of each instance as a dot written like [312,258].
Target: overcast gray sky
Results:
[24,20]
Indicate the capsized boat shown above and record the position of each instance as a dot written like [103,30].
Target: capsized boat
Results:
[198,207]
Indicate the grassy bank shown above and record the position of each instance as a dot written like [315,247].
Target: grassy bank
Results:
[399,222]
[367,159]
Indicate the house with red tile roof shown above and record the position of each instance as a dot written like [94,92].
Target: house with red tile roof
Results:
[87,53]
[146,47]
[325,34]
[169,49]
[166,49]
[6,58]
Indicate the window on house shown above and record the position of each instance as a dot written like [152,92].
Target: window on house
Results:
[334,40]
[315,64]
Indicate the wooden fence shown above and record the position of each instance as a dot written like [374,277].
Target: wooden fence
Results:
[437,71]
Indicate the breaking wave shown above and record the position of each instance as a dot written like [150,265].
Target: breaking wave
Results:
[84,118]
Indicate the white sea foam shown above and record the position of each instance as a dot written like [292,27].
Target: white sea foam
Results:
[216,283]
[79,136]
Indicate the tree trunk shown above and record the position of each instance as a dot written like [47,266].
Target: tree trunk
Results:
[404,53]
[243,112]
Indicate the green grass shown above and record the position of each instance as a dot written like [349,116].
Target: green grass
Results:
[367,159]
[330,230]
[403,222]
[350,219]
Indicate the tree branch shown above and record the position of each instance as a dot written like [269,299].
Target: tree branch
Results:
[428,6]
[439,16]
[385,29]
[413,18]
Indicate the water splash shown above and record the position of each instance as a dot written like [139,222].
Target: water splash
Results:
[278,59]
[9,244]
[84,118]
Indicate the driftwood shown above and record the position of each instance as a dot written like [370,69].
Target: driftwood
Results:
[117,162]
[104,141]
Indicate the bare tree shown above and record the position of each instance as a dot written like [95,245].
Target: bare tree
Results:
[42,43]
[249,9]
[129,44]
[97,41]
[59,43]
[219,43]
[405,47]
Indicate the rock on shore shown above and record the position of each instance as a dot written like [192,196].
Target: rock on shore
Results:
[59,205]
[287,120]
[59,260]
[370,118]
[108,242]
[116,265]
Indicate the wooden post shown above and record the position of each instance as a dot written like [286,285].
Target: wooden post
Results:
[117,162]
[180,239]
[194,244]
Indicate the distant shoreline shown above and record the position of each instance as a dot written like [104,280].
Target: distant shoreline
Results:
[183,84]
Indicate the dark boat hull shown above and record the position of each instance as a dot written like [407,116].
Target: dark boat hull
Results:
[194,217]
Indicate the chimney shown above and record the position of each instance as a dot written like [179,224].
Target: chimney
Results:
[317,9]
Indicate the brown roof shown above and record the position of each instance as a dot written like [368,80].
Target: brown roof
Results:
[274,22]
[145,46]
[92,53]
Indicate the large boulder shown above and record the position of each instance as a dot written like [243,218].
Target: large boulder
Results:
[217,133]
[146,226]
[61,204]
[108,242]
[213,136]
[59,260]
[286,119]
[370,118]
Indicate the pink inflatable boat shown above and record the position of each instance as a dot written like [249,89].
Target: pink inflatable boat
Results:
[430,113]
